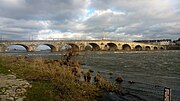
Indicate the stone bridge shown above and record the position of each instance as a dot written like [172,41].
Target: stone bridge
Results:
[80,45]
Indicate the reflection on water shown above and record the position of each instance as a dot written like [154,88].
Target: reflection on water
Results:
[151,70]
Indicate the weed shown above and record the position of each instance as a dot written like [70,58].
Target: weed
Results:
[41,91]
[3,70]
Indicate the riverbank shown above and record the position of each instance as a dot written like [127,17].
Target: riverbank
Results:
[150,70]
[54,79]
[12,88]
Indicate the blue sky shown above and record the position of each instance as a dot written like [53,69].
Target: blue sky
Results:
[125,20]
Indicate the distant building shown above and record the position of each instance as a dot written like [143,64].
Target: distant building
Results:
[165,42]
[178,42]
[156,42]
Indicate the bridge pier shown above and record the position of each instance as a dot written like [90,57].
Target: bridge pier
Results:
[81,48]
[102,46]
[120,48]
[54,48]
[31,48]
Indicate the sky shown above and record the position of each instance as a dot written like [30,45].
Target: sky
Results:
[125,20]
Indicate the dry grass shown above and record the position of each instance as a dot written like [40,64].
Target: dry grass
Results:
[58,80]
[106,85]
[66,84]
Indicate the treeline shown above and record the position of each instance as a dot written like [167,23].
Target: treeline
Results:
[173,47]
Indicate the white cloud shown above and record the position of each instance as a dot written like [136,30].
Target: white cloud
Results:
[12,3]
[56,35]
[101,12]
[90,19]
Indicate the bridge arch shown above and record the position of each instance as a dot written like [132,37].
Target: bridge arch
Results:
[161,48]
[147,48]
[88,48]
[74,47]
[17,47]
[126,47]
[65,47]
[46,47]
[138,48]
[112,46]
[155,48]
[94,46]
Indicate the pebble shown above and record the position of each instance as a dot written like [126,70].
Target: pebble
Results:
[19,99]
[12,89]
[10,99]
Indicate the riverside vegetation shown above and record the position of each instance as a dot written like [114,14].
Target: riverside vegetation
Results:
[56,80]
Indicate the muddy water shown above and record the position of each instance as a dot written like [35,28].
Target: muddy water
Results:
[150,70]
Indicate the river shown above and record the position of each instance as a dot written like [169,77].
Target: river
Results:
[150,70]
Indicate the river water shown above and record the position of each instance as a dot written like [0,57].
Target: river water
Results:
[150,70]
